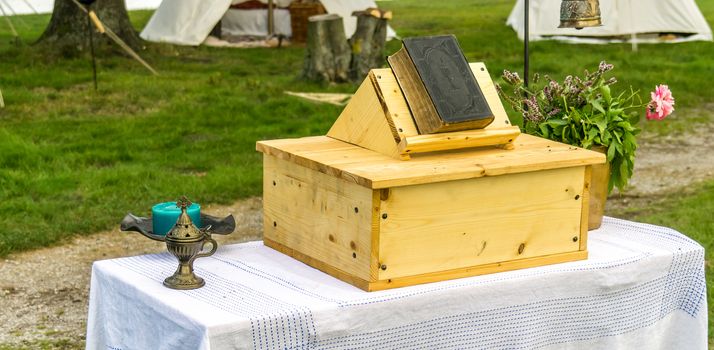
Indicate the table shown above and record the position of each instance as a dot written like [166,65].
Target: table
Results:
[642,287]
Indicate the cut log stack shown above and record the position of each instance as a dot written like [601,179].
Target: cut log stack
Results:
[328,55]
[331,57]
[368,42]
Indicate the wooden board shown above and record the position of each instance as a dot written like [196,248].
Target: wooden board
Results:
[363,123]
[394,104]
[489,91]
[376,285]
[457,224]
[320,216]
[585,214]
[458,140]
[471,271]
[373,170]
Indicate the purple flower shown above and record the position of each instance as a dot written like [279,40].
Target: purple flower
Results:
[533,112]
[511,77]
[605,67]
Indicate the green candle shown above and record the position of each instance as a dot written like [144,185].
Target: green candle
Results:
[164,216]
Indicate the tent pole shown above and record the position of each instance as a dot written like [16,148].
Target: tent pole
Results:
[526,37]
[271,20]
[9,23]
[633,37]
[31,7]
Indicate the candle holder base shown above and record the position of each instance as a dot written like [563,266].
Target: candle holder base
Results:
[184,282]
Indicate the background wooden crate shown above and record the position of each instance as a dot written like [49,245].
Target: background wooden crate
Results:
[299,13]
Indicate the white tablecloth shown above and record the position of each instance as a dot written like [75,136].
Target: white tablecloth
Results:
[642,287]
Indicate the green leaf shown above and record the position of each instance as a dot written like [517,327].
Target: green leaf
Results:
[616,111]
[631,142]
[634,118]
[626,126]
[611,152]
[544,130]
[555,122]
[605,90]
[606,137]
[564,137]
[618,135]
[624,175]
[597,106]
[576,116]
[618,147]
[601,124]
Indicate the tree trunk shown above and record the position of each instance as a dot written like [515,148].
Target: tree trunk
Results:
[67,30]
[328,55]
[368,42]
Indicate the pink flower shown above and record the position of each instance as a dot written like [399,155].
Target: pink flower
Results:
[662,103]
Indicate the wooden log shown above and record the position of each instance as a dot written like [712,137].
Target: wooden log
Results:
[368,42]
[328,54]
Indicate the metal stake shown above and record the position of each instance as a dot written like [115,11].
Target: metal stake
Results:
[526,35]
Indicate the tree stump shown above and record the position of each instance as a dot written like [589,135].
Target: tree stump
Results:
[368,41]
[327,56]
[67,30]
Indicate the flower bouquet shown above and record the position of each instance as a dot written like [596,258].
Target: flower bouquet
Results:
[584,112]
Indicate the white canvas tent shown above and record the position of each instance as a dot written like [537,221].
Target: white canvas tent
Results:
[26,7]
[189,22]
[621,19]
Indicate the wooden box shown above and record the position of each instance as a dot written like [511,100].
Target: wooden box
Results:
[376,221]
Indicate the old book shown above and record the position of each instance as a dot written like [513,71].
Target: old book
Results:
[440,89]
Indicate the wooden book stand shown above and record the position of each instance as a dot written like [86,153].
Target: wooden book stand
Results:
[378,118]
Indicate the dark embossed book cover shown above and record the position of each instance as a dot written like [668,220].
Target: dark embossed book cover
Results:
[439,86]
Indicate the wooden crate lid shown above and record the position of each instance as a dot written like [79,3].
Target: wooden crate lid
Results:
[375,170]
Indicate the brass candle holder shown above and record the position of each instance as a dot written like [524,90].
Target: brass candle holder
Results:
[185,241]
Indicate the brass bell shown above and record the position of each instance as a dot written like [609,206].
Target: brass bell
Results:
[579,14]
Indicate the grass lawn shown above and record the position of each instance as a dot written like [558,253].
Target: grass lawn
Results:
[74,161]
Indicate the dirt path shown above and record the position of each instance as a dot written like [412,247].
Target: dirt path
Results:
[44,303]
[666,165]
